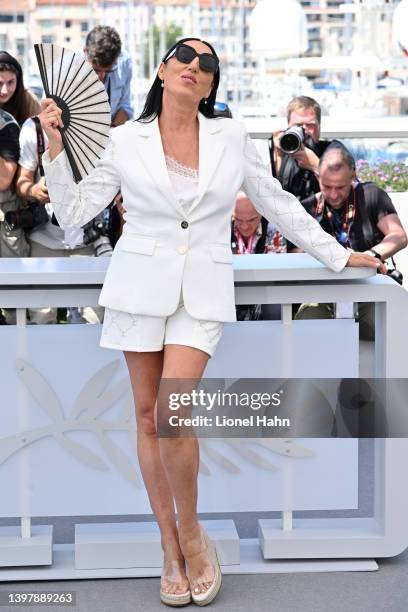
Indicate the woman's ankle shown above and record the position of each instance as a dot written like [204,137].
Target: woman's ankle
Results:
[189,529]
[191,539]
[170,543]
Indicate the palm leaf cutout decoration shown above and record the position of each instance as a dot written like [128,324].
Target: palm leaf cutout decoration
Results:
[71,82]
[40,389]
[93,390]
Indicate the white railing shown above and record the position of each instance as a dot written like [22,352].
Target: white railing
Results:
[387,127]
[260,279]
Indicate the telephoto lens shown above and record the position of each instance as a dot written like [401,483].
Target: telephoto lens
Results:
[292,139]
[221,109]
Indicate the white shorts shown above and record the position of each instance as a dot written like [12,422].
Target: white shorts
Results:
[135,332]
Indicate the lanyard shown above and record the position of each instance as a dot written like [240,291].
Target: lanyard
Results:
[242,249]
[348,220]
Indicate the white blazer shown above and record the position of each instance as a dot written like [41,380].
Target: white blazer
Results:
[161,251]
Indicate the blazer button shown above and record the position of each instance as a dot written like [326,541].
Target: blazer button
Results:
[184,224]
[182,249]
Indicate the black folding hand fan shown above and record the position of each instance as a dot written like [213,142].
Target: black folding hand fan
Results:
[70,81]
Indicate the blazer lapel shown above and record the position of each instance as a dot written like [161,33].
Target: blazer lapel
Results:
[211,148]
[152,156]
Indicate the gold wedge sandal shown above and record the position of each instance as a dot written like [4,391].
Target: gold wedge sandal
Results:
[175,599]
[202,599]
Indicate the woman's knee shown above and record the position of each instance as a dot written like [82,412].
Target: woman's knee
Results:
[178,449]
[145,416]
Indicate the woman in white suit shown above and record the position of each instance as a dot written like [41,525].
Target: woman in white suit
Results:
[169,286]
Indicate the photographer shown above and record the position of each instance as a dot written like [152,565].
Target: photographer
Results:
[47,239]
[45,236]
[360,216]
[13,242]
[295,159]
[113,65]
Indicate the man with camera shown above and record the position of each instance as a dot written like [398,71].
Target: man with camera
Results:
[46,238]
[37,220]
[13,242]
[103,50]
[361,216]
[295,152]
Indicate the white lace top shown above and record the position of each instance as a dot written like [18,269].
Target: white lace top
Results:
[184,181]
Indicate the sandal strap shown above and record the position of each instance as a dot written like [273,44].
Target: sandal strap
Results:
[203,550]
[200,552]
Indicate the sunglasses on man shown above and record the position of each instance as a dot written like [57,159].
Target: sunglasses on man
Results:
[185,54]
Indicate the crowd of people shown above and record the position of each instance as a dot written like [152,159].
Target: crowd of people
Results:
[28,226]
[321,174]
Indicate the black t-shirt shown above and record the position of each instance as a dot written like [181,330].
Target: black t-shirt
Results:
[9,133]
[302,183]
[372,204]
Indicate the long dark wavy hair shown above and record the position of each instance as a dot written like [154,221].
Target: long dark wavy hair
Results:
[154,99]
[17,105]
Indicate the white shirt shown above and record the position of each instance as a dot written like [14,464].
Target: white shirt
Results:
[48,235]
[184,181]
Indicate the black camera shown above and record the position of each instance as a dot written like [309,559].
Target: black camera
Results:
[395,275]
[96,232]
[26,217]
[292,139]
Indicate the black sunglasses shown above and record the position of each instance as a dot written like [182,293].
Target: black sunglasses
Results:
[185,54]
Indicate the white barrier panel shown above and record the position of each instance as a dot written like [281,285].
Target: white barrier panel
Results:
[70,441]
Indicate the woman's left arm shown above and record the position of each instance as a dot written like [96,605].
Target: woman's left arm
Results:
[75,204]
[285,210]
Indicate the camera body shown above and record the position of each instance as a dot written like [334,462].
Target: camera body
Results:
[395,275]
[96,232]
[292,139]
[26,217]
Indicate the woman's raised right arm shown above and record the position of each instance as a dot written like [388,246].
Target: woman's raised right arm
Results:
[75,204]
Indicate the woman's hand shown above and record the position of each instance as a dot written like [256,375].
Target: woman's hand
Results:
[50,119]
[363,260]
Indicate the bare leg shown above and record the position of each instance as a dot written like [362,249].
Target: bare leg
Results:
[180,457]
[145,371]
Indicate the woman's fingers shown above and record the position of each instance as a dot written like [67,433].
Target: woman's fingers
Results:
[370,260]
[366,261]
[51,119]
[46,103]
[51,113]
